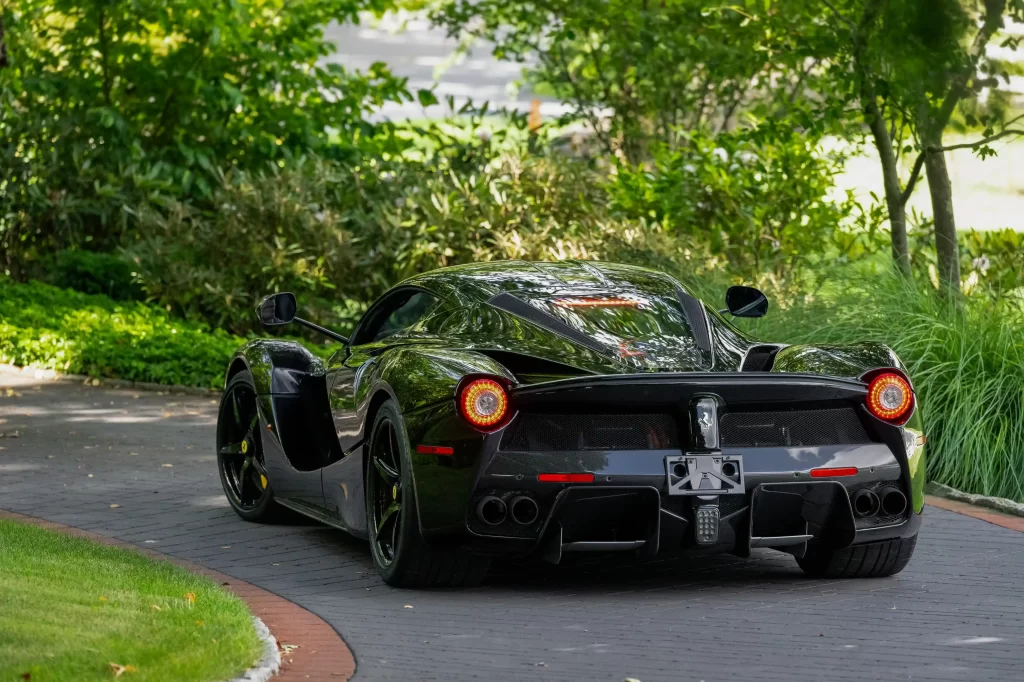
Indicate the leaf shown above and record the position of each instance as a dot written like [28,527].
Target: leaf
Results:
[119,669]
[426,97]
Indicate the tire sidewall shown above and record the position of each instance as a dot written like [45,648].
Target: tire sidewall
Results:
[408,538]
[261,510]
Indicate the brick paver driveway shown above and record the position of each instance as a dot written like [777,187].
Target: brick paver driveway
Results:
[954,614]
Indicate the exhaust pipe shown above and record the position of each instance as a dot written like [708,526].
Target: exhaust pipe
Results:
[865,503]
[491,510]
[524,510]
[894,503]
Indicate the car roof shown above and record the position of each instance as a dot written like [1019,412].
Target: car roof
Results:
[481,281]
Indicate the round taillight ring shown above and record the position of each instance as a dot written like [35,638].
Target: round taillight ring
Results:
[483,403]
[890,397]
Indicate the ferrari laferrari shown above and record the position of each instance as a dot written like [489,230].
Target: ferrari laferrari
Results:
[518,411]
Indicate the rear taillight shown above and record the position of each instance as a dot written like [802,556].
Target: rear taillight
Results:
[483,403]
[890,397]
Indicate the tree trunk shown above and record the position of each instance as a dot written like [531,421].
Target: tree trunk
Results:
[893,193]
[946,245]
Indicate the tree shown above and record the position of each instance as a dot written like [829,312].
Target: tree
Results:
[635,72]
[107,102]
[913,63]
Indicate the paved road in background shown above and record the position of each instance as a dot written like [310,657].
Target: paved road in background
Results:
[418,52]
[954,614]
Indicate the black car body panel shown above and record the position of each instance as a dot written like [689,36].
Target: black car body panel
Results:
[603,363]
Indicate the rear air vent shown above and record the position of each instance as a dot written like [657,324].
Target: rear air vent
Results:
[759,359]
[531,432]
[793,428]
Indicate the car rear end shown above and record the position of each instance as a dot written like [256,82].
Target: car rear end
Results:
[657,464]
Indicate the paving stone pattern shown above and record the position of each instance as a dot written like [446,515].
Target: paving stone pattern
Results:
[954,614]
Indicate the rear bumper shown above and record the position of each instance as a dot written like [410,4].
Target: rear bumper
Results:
[628,506]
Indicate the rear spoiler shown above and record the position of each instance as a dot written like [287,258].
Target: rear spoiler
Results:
[673,388]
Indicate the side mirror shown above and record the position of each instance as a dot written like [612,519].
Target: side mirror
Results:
[746,302]
[277,309]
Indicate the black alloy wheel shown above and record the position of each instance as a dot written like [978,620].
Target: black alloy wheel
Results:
[386,491]
[400,554]
[240,458]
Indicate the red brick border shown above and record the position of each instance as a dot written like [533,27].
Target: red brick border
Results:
[321,654]
[991,515]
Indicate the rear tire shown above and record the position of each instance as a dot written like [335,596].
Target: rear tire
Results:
[872,560]
[400,555]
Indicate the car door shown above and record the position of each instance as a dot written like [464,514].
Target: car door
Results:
[393,320]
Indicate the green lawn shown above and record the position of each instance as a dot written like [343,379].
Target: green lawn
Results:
[70,608]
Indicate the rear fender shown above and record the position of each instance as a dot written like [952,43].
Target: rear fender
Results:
[423,382]
[418,377]
[836,361]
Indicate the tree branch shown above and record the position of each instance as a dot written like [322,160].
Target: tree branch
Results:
[915,173]
[977,143]
[839,15]
[993,22]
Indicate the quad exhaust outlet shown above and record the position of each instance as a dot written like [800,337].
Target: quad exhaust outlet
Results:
[492,510]
[865,503]
[524,510]
[894,502]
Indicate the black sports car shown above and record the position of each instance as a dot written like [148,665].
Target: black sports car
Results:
[537,410]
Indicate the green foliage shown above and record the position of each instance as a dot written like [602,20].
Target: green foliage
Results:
[652,67]
[72,606]
[43,326]
[758,196]
[966,361]
[91,272]
[109,103]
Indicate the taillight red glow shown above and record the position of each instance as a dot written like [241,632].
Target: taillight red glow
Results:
[434,450]
[565,478]
[890,397]
[588,302]
[827,472]
[483,403]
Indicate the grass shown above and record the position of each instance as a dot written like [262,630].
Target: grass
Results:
[70,608]
[45,326]
[966,362]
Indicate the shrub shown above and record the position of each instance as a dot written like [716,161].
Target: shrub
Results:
[966,361]
[91,272]
[43,326]
[339,234]
[107,104]
[759,197]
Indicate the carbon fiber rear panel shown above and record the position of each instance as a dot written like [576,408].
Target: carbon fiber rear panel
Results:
[531,432]
[793,428]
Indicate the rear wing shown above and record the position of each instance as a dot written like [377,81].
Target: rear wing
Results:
[669,389]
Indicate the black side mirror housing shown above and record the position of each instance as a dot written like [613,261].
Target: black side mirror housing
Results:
[277,309]
[744,301]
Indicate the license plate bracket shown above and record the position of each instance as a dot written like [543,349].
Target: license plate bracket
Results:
[705,474]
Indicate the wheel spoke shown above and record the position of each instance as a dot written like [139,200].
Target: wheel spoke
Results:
[386,472]
[390,512]
[232,449]
[254,424]
[243,476]
[236,408]
[393,442]
[258,466]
